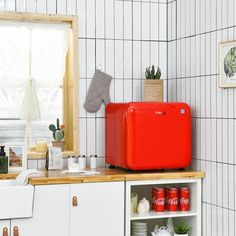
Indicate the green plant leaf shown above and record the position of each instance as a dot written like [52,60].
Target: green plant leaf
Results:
[182,228]
[153,72]
[230,63]
[52,127]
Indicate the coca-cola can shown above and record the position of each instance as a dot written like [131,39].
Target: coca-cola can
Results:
[158,199]
[184,199]
[172,199]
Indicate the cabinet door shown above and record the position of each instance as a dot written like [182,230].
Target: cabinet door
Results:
[50,213]
[99,210]
[5,228]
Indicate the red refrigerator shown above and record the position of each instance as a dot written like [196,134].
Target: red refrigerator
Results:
[148,135]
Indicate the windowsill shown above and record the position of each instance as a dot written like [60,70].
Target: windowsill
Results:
[42,155]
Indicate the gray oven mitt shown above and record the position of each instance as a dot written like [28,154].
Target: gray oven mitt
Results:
[98,91]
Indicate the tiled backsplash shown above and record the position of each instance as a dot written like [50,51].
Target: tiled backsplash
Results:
[192,77]
[122,36]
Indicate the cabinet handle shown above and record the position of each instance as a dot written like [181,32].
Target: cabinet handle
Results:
[74,201]
[15,231]
[5,231]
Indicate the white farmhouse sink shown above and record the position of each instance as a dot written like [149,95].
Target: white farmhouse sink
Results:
[15,201]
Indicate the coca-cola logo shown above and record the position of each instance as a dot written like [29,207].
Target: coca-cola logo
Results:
[184,201]
[173,201]
[158,201]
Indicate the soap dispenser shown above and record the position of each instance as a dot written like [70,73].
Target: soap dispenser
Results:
[3,161]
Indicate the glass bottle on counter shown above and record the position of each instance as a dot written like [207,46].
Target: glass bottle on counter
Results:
[3,161]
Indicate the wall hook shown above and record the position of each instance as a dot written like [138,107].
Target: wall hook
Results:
[99,67]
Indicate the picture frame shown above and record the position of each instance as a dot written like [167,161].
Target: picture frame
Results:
[17,156]
[227,64]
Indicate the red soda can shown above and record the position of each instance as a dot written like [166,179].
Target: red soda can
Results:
[172,199]
[158,199]
[184,199]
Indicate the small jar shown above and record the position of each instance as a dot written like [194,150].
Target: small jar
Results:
[82,162]
[41,145]
[93,161]
[71,160]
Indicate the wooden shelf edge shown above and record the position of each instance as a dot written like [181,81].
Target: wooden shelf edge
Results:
[165,175]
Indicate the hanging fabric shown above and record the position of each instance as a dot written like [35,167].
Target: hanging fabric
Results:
[30,110]
[31,50]
[32,69]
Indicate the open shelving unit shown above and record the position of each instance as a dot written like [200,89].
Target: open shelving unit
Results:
[144,189]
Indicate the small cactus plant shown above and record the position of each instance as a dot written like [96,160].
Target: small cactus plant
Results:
[58,132]
[153,72]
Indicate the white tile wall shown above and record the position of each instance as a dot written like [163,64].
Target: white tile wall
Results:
[123,36]
[192,78]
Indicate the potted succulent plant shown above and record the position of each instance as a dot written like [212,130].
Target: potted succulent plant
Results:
[153,85]
[58,135]
[181,229]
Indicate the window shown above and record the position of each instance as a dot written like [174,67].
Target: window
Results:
[38,77]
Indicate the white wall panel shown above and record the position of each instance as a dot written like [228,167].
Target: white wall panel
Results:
[213,108]
[119,20]
[137,20]
[146,21]
[90,18]
[71,6]
[127,20]
[109,19]
[100,19]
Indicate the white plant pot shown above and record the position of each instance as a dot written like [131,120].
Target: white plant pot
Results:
[180,234]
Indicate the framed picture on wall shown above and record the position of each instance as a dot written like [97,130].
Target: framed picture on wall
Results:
[227,64]
[17,156]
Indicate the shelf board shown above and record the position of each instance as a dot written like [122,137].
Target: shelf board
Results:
[166,214]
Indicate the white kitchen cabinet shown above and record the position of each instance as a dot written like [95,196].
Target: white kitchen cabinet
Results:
[98,209]
[51,213]
[144,189]
[5,228]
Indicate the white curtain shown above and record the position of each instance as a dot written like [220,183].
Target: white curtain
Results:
[32,67]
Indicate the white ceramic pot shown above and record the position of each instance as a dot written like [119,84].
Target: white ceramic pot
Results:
[163,231]
[146,203]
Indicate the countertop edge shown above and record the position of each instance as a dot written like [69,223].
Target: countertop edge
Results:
[106,175]
[117,177]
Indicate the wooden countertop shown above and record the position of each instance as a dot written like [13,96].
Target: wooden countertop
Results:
[105,175]
[8,176]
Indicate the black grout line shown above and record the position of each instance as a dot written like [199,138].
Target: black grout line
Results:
[216,136]
[117,78]
[203,33]
[123,50]
[132,35]
[126,39]
[141,51]
[95,120]
[193,76]
[222,207]
[147,1]
[215,162]
[114,43]
[86,67]
[167,36]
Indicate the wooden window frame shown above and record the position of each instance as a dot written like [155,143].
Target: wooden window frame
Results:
[70,98]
